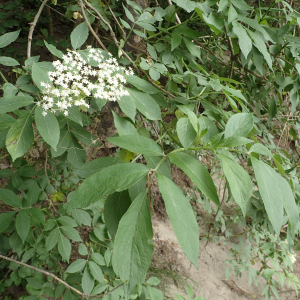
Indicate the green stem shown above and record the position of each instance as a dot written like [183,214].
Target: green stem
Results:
[3,77]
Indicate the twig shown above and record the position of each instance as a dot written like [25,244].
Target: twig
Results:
[58,279]
[32,26]
[90,27]
[249,293]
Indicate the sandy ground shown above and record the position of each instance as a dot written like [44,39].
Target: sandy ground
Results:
[209,281]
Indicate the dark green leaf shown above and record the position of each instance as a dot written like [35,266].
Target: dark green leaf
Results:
[5,220]
[128,107]
[76,154]
[67,221]
[40,75]
[10,198]
[22,224]
[71,233]
[245,42]
[96,271]
[182,218]
[98,258]
[115,207]
[87,282]
[52,239]
[123,126]
[76,266]
[64,247]
[133,248]
[86,138]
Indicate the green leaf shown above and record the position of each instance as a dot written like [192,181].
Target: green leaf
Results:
[86,138]
[186,132]
[154,293]
[128,107]
[8,38]
[5,220]
[197,172]
[145,104]
[239,182]
[64,247]
[76,266]
[267,181]
[79,35]
[6,173]
[96,271]
[47,126]
[239,125]
[38,215]
[245,42]
[10,198]
[115,178]
[22,224]
[40,75]
[75,115]
[194,50]
[71,233]
[98,258]
[240,4]
[123,126]
[261,46]
[141,84]
[153,281]
[76,154]
[182,218]
[87,282]
[260,149]
[128,14]
[115,207]
[63,144]
[67,221]
[175,41]
[52,239]
[164,168]
[233,141]
[81,217]
[187,5]
[133,247]
[96,165]
[8,61]
[54,50]
[137,144]
[82,249]
[10,103]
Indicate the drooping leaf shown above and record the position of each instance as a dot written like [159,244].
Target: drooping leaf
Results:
[115,178]
[79,35]
[5,220]
[137,144]
[22,224]
[145,104]
[115,207]
[96,165]
[63,143]
[47,126]
[186,132]
[142,84]
[86,137]
[123,126]
[197,172]
[128,107]
[8,38]
[267,181]
[245,42]
[239,182]
[54,50]
[87,281]
[10,103]
[239,125]
[182,218]
[132,248]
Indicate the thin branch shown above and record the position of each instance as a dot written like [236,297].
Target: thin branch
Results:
[58,279]
[90,27]
[32,26]
[249,293]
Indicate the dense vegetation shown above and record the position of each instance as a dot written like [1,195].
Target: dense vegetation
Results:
[110,95]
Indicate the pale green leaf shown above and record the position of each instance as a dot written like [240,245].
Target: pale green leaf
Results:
[117,177]
[239,125]
[39,76]
[197,173]
[239,182]
[98,258]
[123,126]
[133,247]
[182,218]
[87,282]
[8,38]
[81,217]
[8,61]
[71,233]
[63,144]
[128,107]
[54,50]
[186,132]
[96,271]
[187,5]
[233,141]
[245,42]
[76,266]
[52,239]
[260,149]
[47,126]
[79,35]
[137,144]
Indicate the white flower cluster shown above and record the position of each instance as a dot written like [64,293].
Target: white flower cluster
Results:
[74,80]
